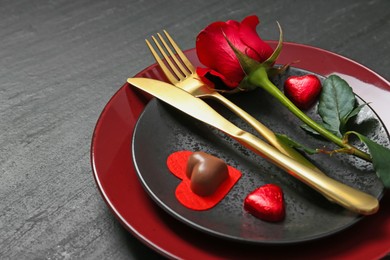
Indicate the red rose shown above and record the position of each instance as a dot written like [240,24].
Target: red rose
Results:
[215,53]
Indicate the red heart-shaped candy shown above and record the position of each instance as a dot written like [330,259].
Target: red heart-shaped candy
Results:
[302,90]
[266,203]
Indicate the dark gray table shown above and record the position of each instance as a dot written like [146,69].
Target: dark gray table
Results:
[61,61]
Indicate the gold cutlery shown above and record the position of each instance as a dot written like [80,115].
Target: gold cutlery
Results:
[181,73]
[338,192]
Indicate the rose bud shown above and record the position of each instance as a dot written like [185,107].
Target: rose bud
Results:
[217,55]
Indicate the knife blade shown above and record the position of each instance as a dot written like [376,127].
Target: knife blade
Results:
[344,195]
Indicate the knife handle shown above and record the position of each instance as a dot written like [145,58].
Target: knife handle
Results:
[344,195]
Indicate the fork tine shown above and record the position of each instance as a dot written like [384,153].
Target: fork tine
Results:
[180,53]
[178,63]
[164,68]
[168,60]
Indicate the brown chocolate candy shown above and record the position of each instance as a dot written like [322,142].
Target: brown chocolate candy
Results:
[206,173]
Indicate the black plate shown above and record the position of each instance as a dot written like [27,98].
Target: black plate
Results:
[162,130]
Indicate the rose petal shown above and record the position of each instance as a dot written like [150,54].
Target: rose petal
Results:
[205,72]
[215,53]
[257,48]
[202,73]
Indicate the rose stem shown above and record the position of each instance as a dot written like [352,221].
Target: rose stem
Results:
[260,78]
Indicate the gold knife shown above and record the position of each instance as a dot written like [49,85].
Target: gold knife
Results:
[346,196]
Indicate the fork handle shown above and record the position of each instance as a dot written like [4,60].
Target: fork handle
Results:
[265,132]
[344,195]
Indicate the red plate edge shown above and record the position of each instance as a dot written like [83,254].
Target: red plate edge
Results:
[188,247]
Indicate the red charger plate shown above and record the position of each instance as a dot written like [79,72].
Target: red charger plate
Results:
[117,181]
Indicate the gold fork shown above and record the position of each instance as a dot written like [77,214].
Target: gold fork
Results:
[181,72]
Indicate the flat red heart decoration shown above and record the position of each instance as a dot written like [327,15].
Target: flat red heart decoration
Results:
[266,203]
[302,90]
[177,164]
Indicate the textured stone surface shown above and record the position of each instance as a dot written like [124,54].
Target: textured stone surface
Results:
[61,61]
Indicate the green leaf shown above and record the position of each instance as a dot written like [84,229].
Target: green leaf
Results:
[355,111]
[380,158]
[290,142]
[247,64]
[271,60]
[310,130]
[337,101]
